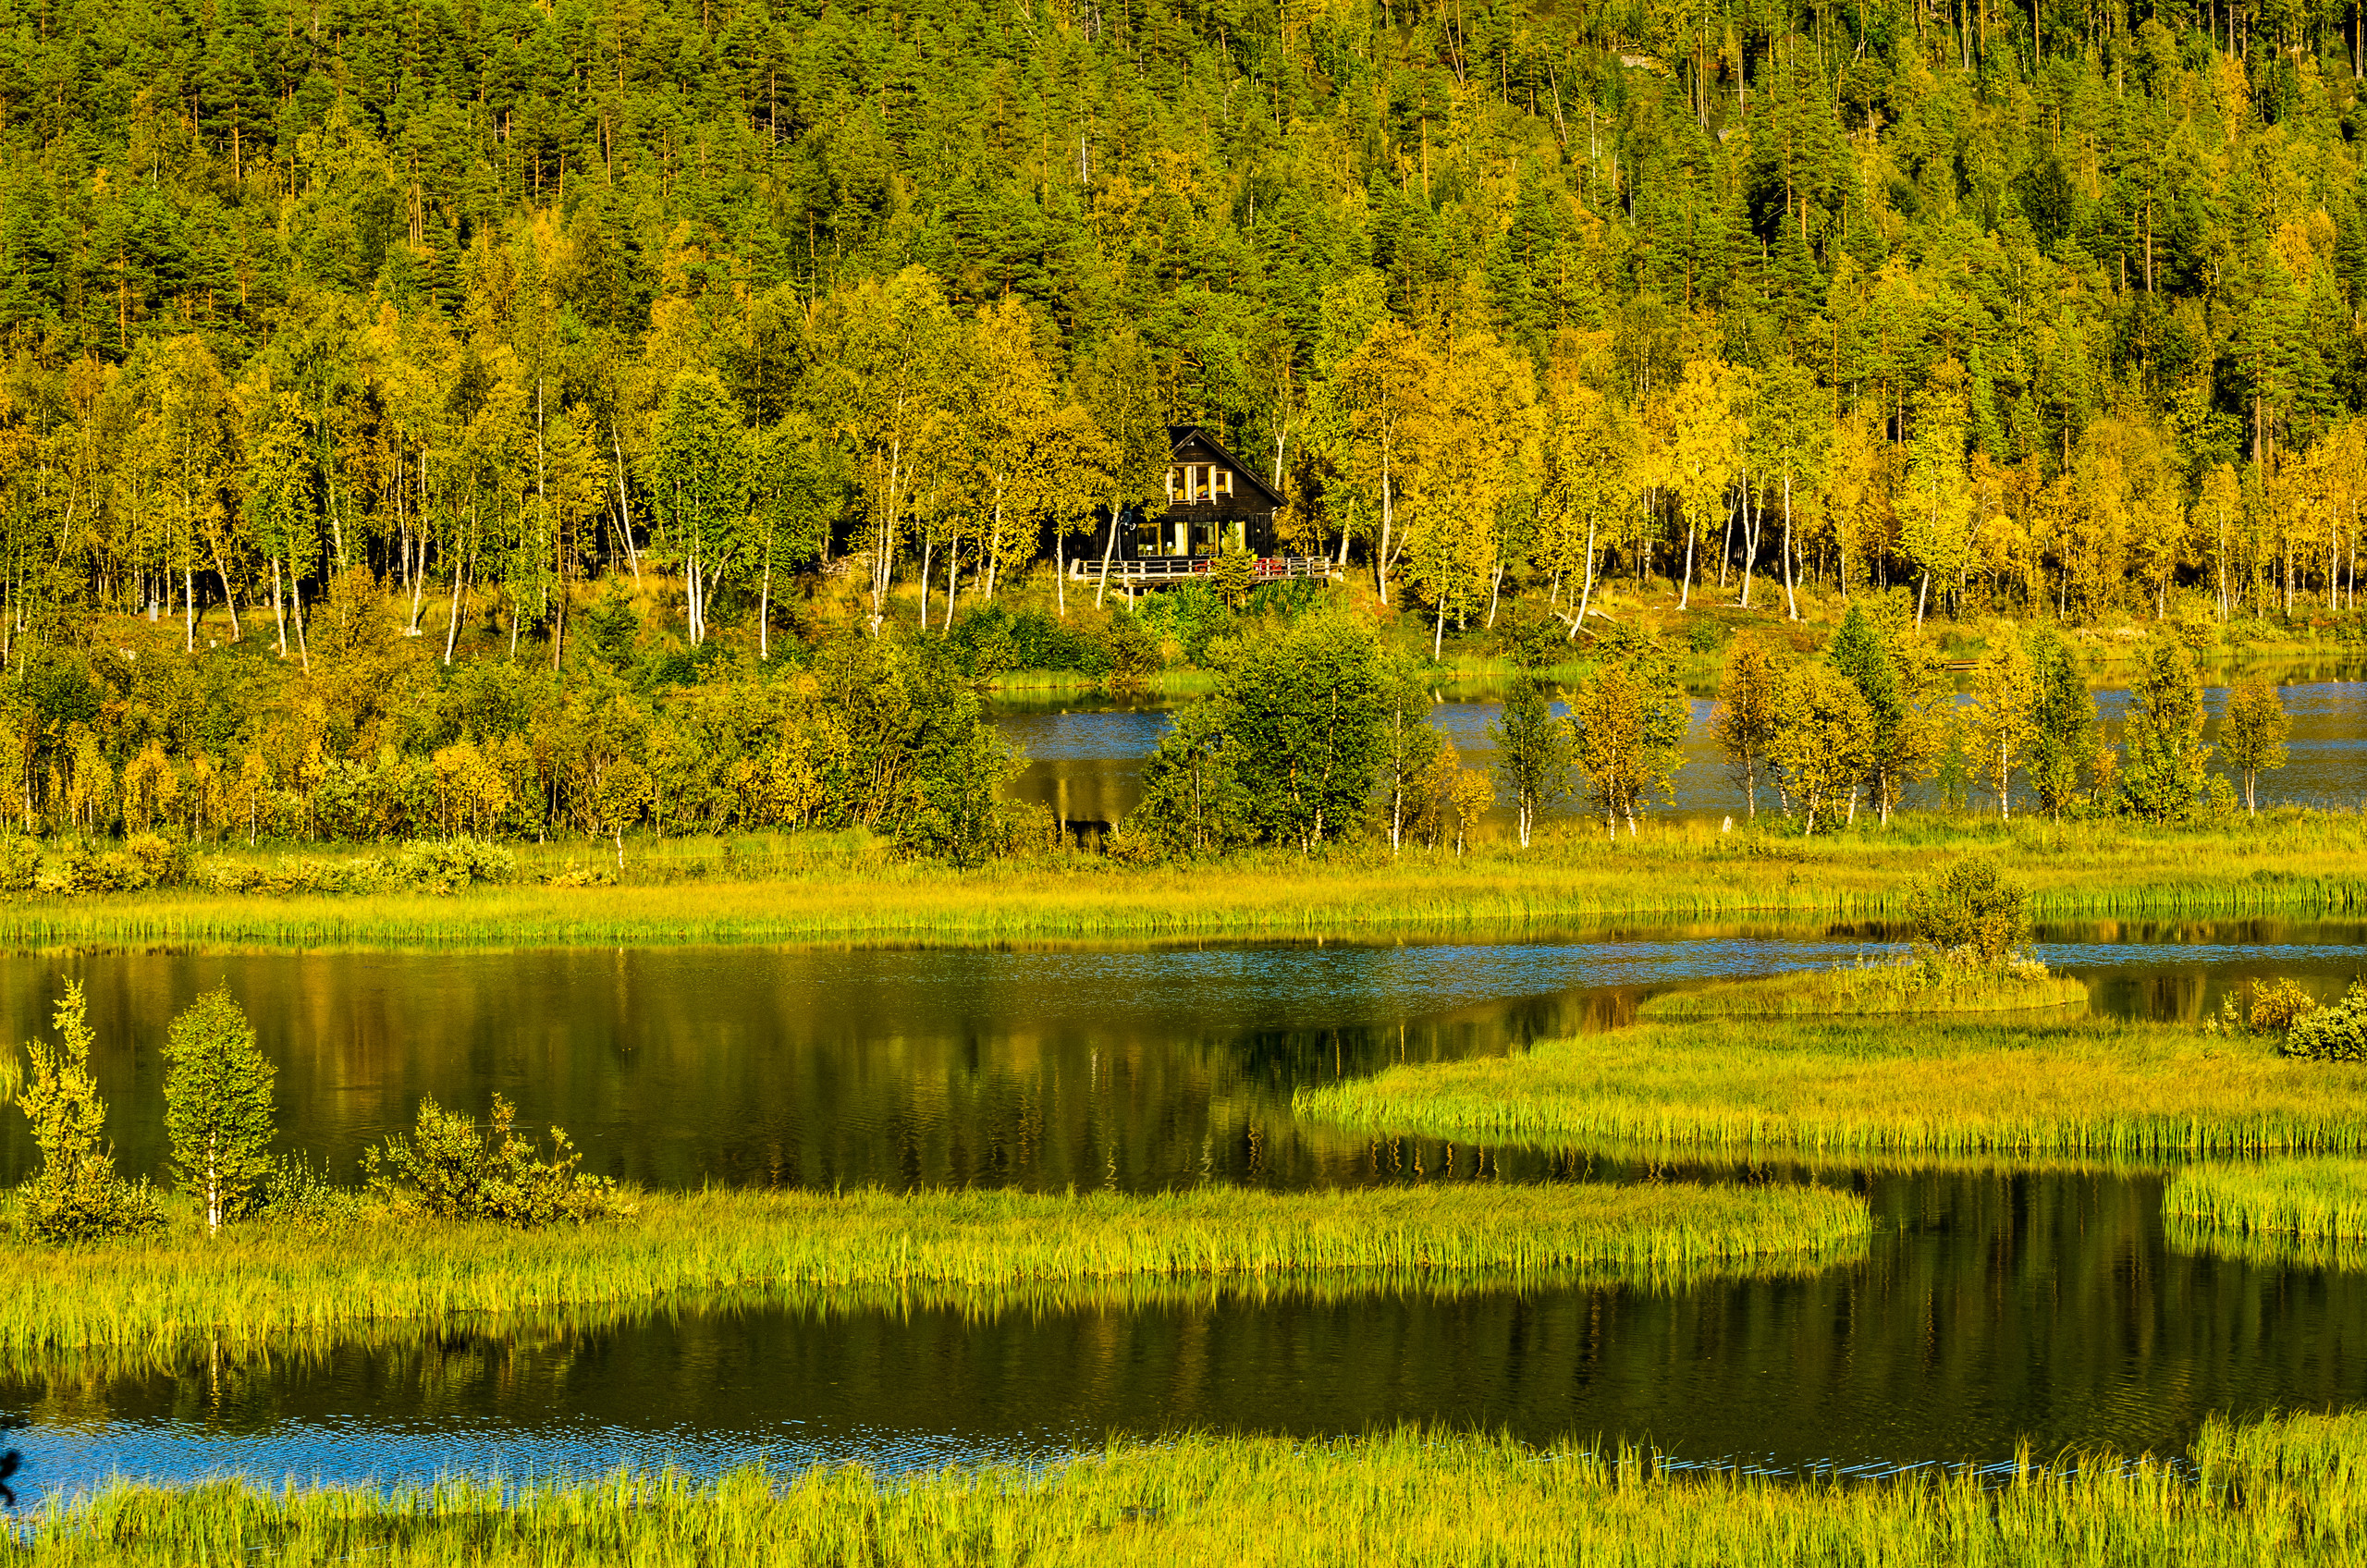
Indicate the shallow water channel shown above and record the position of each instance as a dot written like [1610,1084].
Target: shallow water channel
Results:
[1991,1305]
[1086,751]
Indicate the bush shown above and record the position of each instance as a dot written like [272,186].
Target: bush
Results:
[448,1169]
[2336,1032]
[76,1194]
[19,864]
[156,860]
[1973,912]
[294,1188]
[450,864]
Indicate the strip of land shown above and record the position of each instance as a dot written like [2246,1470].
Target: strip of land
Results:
[1866,990]
[265,1278]
[2088,1086]
[833,890]
[2289,1490]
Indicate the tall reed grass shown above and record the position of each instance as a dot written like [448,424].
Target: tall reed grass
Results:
[2322,1200]
[2088,1086]
[259,1280]
[2289,1490]
[839,887]
[1862,989]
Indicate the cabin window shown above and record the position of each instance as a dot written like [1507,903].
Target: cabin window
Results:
[1171,473]
[1221,482]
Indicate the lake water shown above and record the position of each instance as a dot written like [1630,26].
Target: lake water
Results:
[1086,751]
[1991,1305]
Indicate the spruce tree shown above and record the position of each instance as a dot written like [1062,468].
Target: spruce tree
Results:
[217,1107]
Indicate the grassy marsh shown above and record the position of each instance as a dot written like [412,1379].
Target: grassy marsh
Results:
[2308,1211]
[842,886]
[2287,1489]
[1864,989]
[2085,1085]
[256,1281]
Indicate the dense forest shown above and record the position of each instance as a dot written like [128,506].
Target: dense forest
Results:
[808,319]
[492,296]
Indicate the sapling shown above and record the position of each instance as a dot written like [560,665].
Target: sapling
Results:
[217,1107]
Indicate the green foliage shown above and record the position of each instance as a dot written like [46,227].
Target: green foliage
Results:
[2252,740]
[218,1107]
[2162,756]
[2336,1032]
[1628,722]
[994,640]
[1529,638]
[1972,910]
[1285,752]
[1192,613]
[75,1195]
[911,754]
[2062,752]
[450,1171]
[1535,751]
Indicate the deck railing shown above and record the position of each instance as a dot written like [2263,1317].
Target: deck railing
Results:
[1177,569]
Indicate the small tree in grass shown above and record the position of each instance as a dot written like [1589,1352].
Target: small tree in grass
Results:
[76,1194]
[2254,738]
[1533,755]
[217,1107]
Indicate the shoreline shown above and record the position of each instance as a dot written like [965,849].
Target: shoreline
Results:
[837,888]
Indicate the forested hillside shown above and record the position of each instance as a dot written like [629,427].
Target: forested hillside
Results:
[330,323]
[489,295]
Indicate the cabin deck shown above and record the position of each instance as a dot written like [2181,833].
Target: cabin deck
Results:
[1159,570]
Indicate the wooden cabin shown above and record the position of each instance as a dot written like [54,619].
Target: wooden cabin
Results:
[1213,503]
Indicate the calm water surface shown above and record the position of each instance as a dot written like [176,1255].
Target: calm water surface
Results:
[1141,1069]
[1990,1305]
[1086,751]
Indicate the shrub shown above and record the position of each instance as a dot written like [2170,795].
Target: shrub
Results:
[2336,1032]
[452,1171]
[450,864]
[19,864]
[76,1195]
[1972,911]
[156,860]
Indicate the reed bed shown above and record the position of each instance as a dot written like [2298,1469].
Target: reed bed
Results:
[394,1338]
[839,890]
[2023,1089]
[1865,989]
[2289,1490]
[259,1280]
[2312,1199]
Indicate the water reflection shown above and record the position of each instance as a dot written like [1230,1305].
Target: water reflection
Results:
[1992,1306]
[1141,1067]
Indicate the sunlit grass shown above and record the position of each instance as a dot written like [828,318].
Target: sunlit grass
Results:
[263,1278]
[2311,1213]
[1868,988]
[839,887]
[2088,1085]
[2289,1490]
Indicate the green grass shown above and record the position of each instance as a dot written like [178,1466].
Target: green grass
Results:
[842,886]
[2087,1085]
[2312,1213]
[2289,1490]
[259,1280]
[1864,988]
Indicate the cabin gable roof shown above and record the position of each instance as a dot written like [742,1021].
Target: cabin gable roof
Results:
[1190,443]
